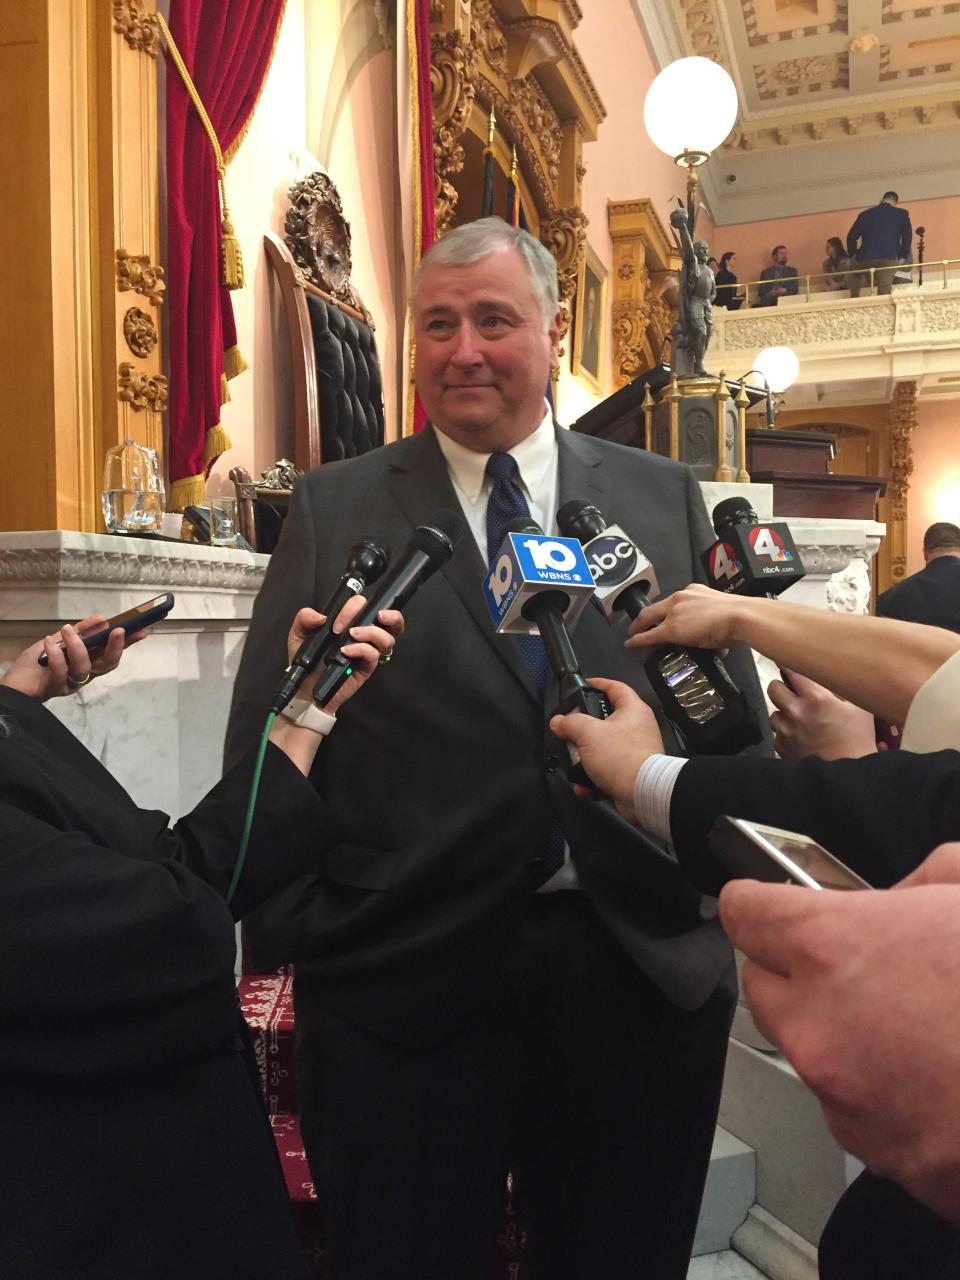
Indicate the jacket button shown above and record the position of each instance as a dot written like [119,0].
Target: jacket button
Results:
[553,764]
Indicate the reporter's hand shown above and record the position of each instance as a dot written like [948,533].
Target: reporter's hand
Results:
[70,667]
[696,616]
[368,646]
[812,721]
[612,750]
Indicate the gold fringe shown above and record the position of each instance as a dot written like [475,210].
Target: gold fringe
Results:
[233,362]
[191,491]
[245,127]
[225,396]
[215,442]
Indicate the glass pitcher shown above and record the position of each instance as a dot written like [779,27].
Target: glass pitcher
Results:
[132,489]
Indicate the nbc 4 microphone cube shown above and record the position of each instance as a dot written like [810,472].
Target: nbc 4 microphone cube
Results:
[753,560]
[526,566]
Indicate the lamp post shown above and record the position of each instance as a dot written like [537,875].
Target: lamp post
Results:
[779,368]
[921,232]
[689,109]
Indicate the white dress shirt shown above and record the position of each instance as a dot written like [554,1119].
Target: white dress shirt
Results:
[537,460]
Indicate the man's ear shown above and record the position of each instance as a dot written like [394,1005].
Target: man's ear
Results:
[553,333]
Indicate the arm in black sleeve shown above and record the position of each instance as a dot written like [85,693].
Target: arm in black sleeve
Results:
[793,282]
[739,661]
[906,235]
[289,585]
[881,814]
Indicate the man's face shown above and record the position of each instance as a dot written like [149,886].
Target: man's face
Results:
[702,250]
[780,257]
[483,356]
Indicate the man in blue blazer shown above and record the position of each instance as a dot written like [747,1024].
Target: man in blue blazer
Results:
[931,596]
[492,974]
[879,237]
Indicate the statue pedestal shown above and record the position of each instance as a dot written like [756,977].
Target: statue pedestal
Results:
[696,421]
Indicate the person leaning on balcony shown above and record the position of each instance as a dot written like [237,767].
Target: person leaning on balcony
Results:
[834,264]
[879,237]
[778,279]
[727,295]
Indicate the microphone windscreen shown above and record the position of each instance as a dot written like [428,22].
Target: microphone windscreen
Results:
[730,512]
[438,538]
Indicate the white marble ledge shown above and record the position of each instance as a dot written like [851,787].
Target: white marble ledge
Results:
[60,575]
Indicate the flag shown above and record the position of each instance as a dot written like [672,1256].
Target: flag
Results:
[486,200]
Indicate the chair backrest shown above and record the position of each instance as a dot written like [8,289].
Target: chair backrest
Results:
[337,385]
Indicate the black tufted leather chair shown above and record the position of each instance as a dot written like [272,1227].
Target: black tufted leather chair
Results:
[349,388]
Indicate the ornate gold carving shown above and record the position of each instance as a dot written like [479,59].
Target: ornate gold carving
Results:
[453,73]
[631,353]
[318,236]
[490,38]
[139,29]
[564,235]
[136,272]
[540,120]
[139,331]
[141,390]
[436,10]
[903,422]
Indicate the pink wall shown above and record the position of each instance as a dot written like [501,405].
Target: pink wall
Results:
[935,484]
[623,163]
[806,235]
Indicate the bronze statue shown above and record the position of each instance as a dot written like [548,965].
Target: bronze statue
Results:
[698,288]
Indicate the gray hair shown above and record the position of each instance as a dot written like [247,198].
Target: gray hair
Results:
[474,240]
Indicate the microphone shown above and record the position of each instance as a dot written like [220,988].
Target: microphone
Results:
[545,590]
[366,561]
[430,547]
[692,685]
[750,558]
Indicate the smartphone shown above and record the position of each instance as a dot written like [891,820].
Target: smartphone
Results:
[753,851]
[135,619]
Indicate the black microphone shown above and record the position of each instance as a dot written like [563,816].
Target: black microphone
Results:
[750,557]
[545,608]
[692,685]
[366,561]
[431,546]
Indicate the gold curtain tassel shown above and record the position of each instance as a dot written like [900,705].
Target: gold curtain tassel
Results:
[231,258]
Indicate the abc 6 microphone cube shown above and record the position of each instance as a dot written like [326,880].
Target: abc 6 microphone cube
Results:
[615,563]
[527,565]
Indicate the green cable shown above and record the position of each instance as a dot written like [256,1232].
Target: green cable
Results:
[251,805]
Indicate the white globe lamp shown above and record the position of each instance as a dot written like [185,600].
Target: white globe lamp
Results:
[689,110]
[780,367]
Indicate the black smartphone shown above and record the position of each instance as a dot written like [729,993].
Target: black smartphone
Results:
[199,517]
[754,851]
[138,618]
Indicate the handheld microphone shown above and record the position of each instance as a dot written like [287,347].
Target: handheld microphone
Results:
[750,558]
[546,603]
[430,546]
[366,561]
[692,685]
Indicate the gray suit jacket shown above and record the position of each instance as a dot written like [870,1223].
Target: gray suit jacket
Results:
[442,775]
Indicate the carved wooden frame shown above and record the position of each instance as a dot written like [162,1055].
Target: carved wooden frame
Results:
[528,69]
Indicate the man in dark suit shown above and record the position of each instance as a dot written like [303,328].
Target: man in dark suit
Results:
[879,237]
[492,974]
[932,595]
[779,280]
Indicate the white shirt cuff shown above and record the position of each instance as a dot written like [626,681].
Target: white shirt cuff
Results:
[653,791]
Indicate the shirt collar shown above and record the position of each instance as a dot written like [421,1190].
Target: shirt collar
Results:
[533,455]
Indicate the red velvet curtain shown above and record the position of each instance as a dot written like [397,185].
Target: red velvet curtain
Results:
[424,125]
[226,46]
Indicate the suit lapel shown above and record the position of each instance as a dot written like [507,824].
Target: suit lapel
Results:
[420,484]
[580,473]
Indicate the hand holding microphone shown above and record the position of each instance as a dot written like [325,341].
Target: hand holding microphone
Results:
[366,561]
[430,546]
[691,683]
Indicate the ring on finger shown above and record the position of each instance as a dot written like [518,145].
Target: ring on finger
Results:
[385,657]
[74,683]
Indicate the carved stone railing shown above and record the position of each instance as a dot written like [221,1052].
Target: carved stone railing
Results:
[912,333]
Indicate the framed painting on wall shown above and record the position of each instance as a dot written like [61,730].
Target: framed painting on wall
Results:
[589,338]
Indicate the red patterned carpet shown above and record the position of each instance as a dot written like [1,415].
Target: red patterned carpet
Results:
[267,1003]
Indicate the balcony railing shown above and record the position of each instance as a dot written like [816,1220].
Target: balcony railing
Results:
[943,274]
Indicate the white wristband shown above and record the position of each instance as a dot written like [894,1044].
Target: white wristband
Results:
[307,715]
